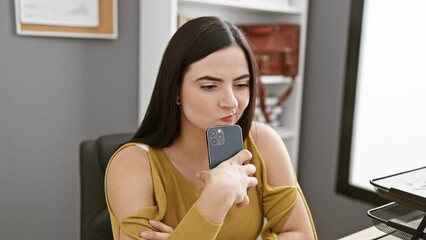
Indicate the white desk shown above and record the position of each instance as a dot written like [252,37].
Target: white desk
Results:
[369,233]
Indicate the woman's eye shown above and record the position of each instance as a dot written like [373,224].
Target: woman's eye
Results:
[241,85]
[208,87]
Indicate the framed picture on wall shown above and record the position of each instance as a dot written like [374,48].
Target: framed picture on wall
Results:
[67,18]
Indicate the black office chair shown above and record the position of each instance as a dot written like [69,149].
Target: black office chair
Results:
[94,157]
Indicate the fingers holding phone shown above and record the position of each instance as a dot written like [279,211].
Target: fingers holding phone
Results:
[231,178]
[228,179]
[243,156]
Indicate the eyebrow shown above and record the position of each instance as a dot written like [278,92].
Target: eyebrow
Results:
[207,77]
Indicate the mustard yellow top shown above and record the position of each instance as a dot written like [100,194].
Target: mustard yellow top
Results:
[175,197]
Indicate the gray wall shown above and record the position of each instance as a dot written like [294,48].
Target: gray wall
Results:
[335,215]
[54,93]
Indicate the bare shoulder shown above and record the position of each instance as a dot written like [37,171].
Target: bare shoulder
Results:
[129,184]
[277,160]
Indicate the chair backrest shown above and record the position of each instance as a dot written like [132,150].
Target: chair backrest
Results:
[94,157]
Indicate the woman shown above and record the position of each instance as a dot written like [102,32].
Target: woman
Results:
[159,185]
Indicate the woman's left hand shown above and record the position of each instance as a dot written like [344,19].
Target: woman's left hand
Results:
[163,231]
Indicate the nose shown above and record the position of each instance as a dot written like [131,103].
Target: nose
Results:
[228,99]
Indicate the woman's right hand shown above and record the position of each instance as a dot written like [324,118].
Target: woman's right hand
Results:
[225,186]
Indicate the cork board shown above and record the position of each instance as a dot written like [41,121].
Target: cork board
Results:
[106,28]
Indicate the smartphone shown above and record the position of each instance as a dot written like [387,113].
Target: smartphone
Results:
[223,142]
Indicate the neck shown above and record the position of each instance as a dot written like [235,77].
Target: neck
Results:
[190,145]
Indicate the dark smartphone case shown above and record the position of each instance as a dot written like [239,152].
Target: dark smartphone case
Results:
[223,142]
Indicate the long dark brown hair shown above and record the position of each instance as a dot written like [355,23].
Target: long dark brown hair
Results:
[193,41]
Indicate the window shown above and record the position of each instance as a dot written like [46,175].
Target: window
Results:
[383,127]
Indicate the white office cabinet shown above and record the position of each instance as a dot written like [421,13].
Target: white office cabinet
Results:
[159,20]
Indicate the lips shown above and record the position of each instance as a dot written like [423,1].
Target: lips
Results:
[228,119]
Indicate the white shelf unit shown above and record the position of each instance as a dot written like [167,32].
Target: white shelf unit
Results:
[278,6]
[271,79]
[159,20]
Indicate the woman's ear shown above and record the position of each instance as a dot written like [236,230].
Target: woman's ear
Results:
[178,98]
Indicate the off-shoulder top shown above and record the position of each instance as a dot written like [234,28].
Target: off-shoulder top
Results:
[175,197]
